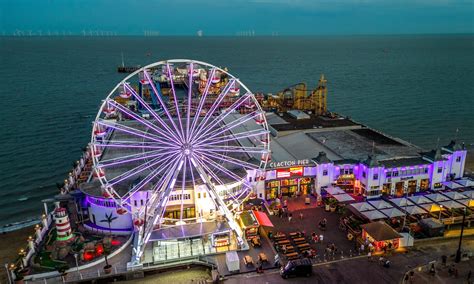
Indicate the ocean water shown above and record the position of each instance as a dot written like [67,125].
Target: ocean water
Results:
[419,88]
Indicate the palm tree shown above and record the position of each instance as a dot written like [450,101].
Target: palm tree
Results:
[109,218]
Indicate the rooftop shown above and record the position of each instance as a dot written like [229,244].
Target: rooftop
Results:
[380,231]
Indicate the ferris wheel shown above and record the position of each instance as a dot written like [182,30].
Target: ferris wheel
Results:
[172,126]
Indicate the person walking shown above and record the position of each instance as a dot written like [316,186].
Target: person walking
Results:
[321,237]
[289,217]
[301,215]
[362,248]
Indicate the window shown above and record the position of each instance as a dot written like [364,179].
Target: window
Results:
[199,195]
[141,202]
[363,174]
[426,170]
[388,174]
[440,170]
[325,172]
[458,159]
[135,203]
[376,176]
[395,173]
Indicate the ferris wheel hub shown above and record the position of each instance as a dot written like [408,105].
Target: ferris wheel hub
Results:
[186,149]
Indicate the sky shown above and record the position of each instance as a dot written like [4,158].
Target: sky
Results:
[233,17]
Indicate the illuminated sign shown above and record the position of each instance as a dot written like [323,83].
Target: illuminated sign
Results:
[288,163]
[295,171]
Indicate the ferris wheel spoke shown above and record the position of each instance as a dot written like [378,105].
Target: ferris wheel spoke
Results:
[224,114]
[134,131]
[183,185]
[213,108]
[173,91]
[202,100]
[210,172]
[227,127]
[190,93]
[134,171]
[157,190]
[229,160]
[131,145]
[170,135]
[231,149]
[134,157]
[233,137]
[160,169]
[163,104]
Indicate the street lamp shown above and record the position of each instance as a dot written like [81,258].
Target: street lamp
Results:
[440,209]
[8,273]
[458,252]
[77,265]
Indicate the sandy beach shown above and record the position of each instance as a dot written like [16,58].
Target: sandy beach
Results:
[10,245]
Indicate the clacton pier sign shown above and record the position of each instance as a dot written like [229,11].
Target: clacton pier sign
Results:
[290,163]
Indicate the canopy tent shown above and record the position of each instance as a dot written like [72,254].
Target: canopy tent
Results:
[431,207]
[373,215]
[414,210]
[401,202]
[362,206]
[467,202]
[451,204]
[469,194]
[420,199]
[380,231]
[334,190]
[343,197]
[451,184]
[263,219]
[455,195]
[380,204]
[437,197]
[392,212]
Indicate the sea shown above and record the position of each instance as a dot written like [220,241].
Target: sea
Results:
[416,87]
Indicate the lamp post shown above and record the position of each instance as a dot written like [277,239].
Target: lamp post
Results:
[406,204]
[458,252]
[440,209]
[77,264]
[8,273]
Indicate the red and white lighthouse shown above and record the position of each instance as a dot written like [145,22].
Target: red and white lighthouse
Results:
[63,227]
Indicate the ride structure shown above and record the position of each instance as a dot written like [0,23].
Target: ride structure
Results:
[187,125]
[296,97]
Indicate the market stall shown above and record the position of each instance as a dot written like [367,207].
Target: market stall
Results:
[381,235]
[249,224]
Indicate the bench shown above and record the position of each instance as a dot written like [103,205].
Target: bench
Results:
[290,249]
[292,256]
[303,246]
[299,240]
[262,257]
[248,260]
[284,242]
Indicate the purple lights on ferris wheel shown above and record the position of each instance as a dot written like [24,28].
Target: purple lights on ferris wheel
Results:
[204,136]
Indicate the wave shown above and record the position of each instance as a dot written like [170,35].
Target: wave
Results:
[19,225]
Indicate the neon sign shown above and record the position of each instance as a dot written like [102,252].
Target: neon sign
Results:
[294,171]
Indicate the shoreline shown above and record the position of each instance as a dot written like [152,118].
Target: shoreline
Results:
[11,244]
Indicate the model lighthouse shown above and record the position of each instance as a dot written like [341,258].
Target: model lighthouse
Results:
[63,227]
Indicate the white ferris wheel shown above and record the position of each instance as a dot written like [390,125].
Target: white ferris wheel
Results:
[175,125]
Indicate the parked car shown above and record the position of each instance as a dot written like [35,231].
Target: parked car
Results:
[295,268]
